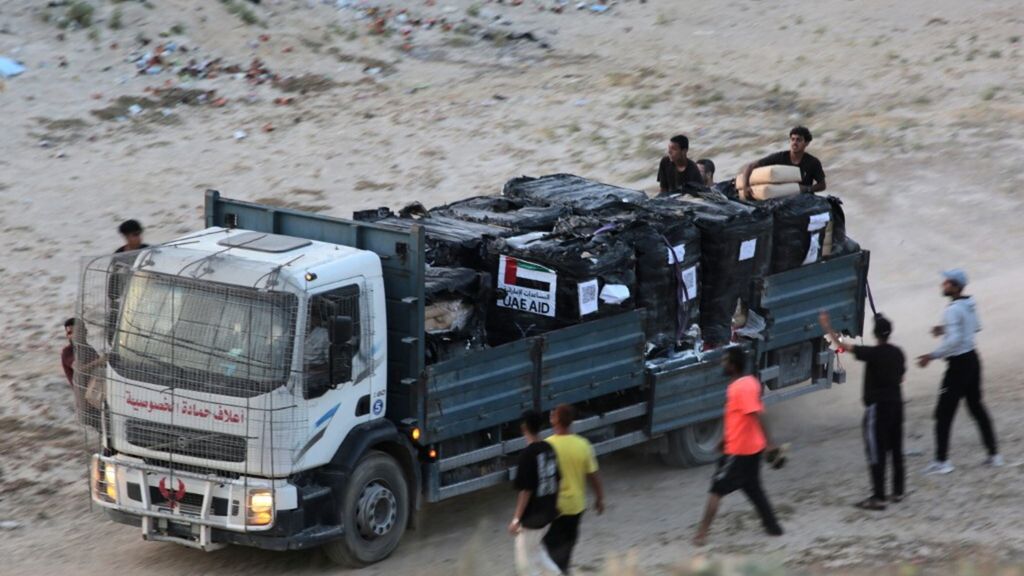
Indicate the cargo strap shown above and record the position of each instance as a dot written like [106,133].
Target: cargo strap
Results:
[871,299]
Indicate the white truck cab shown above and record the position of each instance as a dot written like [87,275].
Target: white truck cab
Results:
[227,376]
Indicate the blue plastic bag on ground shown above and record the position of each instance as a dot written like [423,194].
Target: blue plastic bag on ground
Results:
[9,67]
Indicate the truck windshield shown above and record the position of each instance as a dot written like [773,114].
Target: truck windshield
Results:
[204,336]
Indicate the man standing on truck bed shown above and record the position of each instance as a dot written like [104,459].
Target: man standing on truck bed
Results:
[884,368]
[577,465]
[537,498]
[676,170]
[812,175]
[963,373]
[744,440]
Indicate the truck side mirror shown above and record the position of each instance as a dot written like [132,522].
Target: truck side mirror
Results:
[341,331]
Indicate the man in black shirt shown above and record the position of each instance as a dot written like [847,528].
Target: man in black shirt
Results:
[883,407]
[812,175]
[536,505]
[676,170]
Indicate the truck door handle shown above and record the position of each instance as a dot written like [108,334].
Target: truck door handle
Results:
[363,406]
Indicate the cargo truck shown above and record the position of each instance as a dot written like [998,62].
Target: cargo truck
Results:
[265,382]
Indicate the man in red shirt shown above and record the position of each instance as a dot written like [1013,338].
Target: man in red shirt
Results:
[744,442]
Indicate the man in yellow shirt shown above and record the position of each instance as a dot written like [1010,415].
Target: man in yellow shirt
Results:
[577,465]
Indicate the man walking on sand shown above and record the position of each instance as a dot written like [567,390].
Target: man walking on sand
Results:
[577,465]
[884,368]
[536,504]
[745,440]
[963,373]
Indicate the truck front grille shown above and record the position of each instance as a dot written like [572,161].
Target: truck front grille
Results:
[186,441]
[190,503]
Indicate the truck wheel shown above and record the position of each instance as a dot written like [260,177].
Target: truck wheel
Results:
[694,445]
[375,512]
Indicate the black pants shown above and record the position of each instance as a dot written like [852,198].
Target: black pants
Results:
[962,380]
[883,439]
[744,473]
[561,539]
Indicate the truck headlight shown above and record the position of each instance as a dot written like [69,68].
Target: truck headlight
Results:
[104,479]
[261,507]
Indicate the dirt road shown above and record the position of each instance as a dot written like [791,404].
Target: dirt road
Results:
[918,115]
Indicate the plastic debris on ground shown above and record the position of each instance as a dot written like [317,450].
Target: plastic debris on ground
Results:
[10,68]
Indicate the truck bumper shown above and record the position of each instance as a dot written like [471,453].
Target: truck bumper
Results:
[209,512]
[276,539]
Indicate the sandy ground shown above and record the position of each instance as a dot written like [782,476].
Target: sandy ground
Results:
[918,114]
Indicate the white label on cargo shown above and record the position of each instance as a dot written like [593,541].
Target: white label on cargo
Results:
[528,287]
[748,249]
[588,296]
[614,293]
[813,250]
[676,253]
[818,221]
[689,278]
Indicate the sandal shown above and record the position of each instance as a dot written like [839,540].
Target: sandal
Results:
[870,504]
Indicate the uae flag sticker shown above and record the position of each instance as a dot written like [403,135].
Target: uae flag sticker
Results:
[527,286]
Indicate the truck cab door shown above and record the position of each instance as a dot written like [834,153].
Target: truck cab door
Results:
[336,352]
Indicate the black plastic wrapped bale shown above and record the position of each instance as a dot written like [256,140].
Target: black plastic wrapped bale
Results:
[514,213]
[736,247]
[450,242]
[798,229]
[544,282]
[583,196]
[666,245]
[836,242]
[455,311]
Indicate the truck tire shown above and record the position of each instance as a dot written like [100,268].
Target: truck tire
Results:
[694,445]
[374,512]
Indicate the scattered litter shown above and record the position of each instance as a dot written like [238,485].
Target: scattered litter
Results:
[10,68]
[44,144]
[581,102]
[134,110]
[268,127]
[373,71]
[60,154]
[500,97]
[240,134]
[9,525]
[599,8]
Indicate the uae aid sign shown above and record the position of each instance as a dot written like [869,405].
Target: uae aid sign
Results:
[527,286]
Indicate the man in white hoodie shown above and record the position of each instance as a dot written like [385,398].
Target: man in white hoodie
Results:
[963,373]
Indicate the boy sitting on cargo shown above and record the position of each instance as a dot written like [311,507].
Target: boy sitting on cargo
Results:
[707,170]
[811,172]
[676,170]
